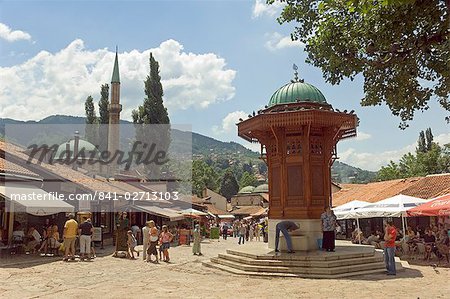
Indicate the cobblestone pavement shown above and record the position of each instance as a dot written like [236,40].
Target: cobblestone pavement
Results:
[109,277]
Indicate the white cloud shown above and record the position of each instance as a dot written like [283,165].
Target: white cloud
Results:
[229,123]
[362,136]
[58,83]
[442,139]
[227,130]
[276,41]
[10,35]
[373,160]
[260,8]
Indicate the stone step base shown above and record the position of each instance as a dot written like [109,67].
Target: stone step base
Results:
[299,243]
[302,263]
[300,270]
[298,275]
[329,256]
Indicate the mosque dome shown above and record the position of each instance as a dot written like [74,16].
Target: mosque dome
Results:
[247,189]
[264,188]
[84,147]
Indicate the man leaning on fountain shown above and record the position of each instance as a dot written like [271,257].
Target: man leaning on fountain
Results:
[285,227]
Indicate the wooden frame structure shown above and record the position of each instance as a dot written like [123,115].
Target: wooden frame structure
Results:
[298,143]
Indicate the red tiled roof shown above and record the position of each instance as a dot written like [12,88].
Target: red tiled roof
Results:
[430,186]
[214,195]
[371,192]
[93,184]
[9,167]
[423,187]
[214,210]
[247,210]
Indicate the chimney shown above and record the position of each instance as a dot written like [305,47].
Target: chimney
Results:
[75,150]
[67,152]
[204,192]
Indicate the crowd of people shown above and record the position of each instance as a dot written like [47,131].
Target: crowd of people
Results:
[434,239]
[47,240]
[245,230]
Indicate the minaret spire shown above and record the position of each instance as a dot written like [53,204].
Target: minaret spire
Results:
[114,109]
[115,76]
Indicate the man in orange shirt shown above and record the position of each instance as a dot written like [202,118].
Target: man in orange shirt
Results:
[390,234]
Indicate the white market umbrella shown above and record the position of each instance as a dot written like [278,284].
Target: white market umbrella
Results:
[344,212]
[395,206]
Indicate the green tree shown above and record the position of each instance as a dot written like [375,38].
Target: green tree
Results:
[409,166]
[248,167]
[421,143]
[429,139]
[389,172]
[153,112]
[400,47]
[103,117]
[203,176]
[103,104]
[444,161]
[91,129]
[229,186]
[430,158]
[248,179]
[262,167]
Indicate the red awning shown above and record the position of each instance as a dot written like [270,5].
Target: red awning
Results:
[439,206]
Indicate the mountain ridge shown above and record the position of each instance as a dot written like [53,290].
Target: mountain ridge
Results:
[204,147]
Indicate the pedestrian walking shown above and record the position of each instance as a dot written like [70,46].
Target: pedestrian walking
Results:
[258,232]
[225,231]
[242,232]
[136,232]
[132,243]
[165,239]
[70,235]
[145,239]
[196,249]
[85,231]
[153,241]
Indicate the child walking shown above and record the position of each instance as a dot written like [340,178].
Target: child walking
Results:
[132,243]
[165,239]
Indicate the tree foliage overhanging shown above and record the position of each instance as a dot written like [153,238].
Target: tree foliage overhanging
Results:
[402,48]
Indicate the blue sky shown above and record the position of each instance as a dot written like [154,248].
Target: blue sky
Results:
[219,60]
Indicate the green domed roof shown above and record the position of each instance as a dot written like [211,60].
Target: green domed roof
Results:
[297,91]
[247,189]
[264,188]
[83,145]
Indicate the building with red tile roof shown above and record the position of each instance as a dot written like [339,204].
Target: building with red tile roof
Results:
[427,187]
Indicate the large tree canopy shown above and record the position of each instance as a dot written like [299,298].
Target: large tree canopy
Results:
[401,48]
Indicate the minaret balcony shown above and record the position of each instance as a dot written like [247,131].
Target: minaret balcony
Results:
[114,108]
